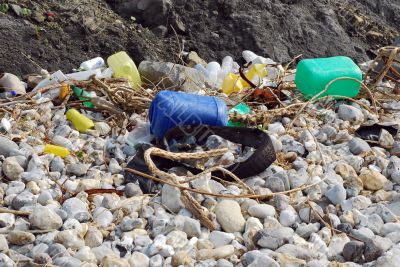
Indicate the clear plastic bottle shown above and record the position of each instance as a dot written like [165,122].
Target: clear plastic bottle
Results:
[124,67]
[91,64]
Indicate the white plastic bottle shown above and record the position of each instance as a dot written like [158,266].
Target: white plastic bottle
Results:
[92,64]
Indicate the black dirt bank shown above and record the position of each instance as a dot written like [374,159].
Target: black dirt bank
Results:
[74,30]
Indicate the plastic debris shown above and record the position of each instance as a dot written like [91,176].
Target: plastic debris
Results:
[80,122]
[56,150]
[313,75]
[123,66]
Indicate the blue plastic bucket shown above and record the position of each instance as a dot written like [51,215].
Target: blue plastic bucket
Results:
[170,109]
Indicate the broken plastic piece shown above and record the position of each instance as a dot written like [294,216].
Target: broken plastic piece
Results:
[241,109]
[232,84]
[80,122]
[83,95]
[56,150]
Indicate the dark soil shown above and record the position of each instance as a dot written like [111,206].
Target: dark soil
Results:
[280,29]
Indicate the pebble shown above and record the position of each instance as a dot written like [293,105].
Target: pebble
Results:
[353,251]
[287,217]
[7,146]
[230,217]
[358,146]
[217,253]
[350,113]
[20,238]
[138,259]
[77,169]
[336,194]
[171,198]
[219,238]
[262,211]
[11,169]
[45,219]
[373,180]
[273,238]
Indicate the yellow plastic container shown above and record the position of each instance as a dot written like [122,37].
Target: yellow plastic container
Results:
[56,150]
[124,67]
[232,84]
[259,70]
[81,122]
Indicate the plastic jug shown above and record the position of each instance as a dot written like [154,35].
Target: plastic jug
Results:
[313,75]
[56,150]
[81,122]
[170,109]
[124,67]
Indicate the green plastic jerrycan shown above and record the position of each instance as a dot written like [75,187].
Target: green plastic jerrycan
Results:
[313,75]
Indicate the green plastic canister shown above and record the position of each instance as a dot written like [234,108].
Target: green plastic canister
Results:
[313,75]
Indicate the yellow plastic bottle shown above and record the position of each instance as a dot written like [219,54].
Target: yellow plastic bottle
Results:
[81,122]
[232,84]
[124,67]
[257,69]
[56,150]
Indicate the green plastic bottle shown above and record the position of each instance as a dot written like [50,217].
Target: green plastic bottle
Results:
[313,75]
[82,95]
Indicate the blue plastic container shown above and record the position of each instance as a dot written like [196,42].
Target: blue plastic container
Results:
[170,109]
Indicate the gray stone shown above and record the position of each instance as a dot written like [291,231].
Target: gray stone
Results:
[336,194]
[76,209]
[15,187]
[386,140]
[5,261]
[11,169]
[77,169]
[132,189]
[58,250]
[287,217]
[273,238]
[23,199]
[172,75]
[57,164]
[262,211]
[353,251]
[67,262]
[362,233]
[275,184]
[7,220]
[224,263]
[43,258]
[7,146]
[191,227]
[139,260]
[358,146]
[219,238]
[44,197]
[230,217]
[305,230]
[171,198]
[45,219]
[350,113]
